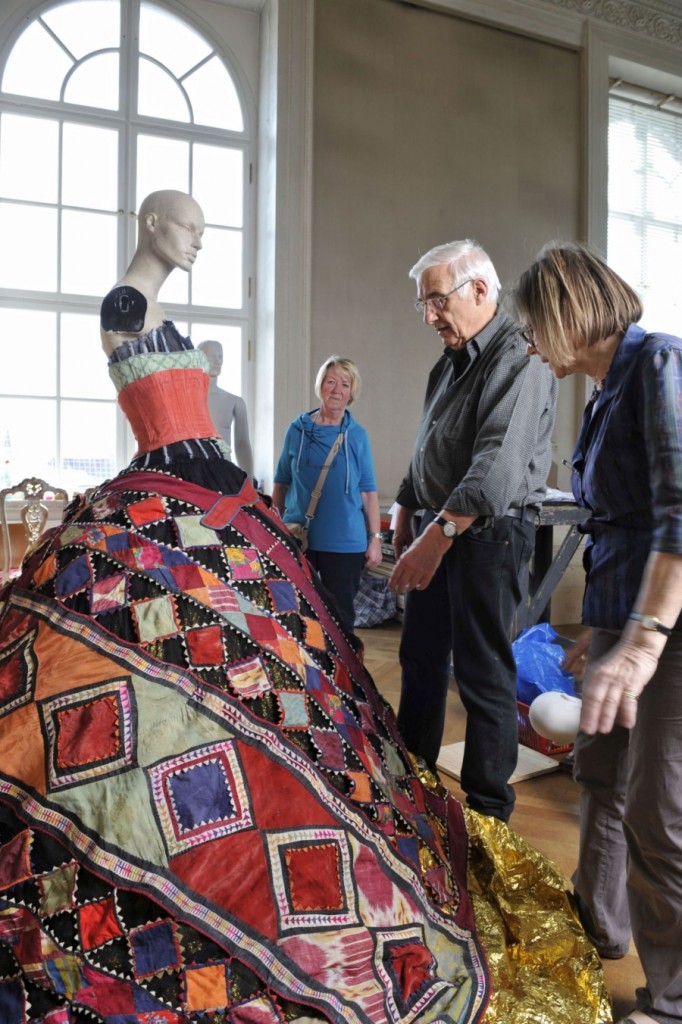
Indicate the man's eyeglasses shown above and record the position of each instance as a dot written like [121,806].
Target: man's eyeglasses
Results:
[436,302]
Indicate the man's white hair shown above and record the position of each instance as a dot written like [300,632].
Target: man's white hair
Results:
[466,260]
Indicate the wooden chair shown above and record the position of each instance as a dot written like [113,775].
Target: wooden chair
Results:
[33,516]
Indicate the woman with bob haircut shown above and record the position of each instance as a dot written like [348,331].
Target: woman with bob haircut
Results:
[344,533]
[581,317]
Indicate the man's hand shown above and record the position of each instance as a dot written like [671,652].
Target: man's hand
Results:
[417,565]
[403,534]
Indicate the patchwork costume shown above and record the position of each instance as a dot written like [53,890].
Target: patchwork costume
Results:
[206,811]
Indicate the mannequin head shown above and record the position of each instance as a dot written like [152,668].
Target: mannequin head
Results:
[214,353]
[170,228]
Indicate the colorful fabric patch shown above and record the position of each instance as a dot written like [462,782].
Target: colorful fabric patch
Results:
[330,746]
[192,534]
[15,860]
[407,969]
[250,678]
[263,629]
[155,949]
[294,709]
[205,645]
[149,510]
[188,576]
[311,871]
[283,594]
[76,576]
[57,890]
[97,923]
[200,796]
[109,594]
[206,987]
[223,599]
[314,634]
[257,1011]
[46,570]
[362,791]
[155,618]
[244,563]
[89,733]
[18,666]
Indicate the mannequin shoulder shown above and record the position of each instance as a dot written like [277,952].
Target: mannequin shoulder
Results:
[123,310]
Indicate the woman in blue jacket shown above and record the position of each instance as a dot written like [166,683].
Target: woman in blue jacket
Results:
[344,534]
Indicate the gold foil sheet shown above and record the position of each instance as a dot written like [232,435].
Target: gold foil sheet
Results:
[544,969]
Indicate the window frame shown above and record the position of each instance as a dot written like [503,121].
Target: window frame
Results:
[129,126]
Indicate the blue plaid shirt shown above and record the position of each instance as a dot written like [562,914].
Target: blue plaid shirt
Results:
[627,470]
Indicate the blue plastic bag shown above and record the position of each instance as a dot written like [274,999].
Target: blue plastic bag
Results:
[538,664]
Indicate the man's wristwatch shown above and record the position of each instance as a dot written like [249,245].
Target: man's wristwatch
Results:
[651,622]
[378,536]
[449,528]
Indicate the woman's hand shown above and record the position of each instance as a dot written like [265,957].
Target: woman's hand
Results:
[613,684]
[374,554]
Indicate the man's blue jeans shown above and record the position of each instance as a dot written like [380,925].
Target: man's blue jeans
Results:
[467,611]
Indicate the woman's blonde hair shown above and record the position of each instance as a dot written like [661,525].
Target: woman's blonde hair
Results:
[571,299]
[348,366]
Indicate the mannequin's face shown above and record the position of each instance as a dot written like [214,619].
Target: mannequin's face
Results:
[214,353]
[176,230]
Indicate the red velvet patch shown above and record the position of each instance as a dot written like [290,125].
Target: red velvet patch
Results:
[314,878]
[98,923]
[411,966]
[87,733]
[205,645]
[146,511]
[15,863]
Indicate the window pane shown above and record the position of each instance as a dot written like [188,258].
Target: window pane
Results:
[28,438]
[170,41]
[28,158]
[213,96]
[230,337]
[217,274]
[88,443]
[88,252]
[624,248]
[86,25]
[160,95]
[161,163]
[28,255]
[176,288]
[80,187]
[37,65]
[83,362]
[94,83]
[218,184]
[28,352]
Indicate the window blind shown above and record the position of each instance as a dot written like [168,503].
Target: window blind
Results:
[645,201]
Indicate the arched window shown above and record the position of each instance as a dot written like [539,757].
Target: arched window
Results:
[101,103]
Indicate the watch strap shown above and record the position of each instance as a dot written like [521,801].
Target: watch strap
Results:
[651,622]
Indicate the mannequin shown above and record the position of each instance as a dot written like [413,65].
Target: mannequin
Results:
[227,410]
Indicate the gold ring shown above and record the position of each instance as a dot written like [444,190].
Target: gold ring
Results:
[631,694]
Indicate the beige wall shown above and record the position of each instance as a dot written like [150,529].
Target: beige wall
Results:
[427,128]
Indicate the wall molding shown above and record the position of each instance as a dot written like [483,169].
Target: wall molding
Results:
[658,21]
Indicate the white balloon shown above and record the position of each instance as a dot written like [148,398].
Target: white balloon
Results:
[556,716]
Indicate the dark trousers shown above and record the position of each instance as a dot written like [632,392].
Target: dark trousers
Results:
[467,611]
[340,574]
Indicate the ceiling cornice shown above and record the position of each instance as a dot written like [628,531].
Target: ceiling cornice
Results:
[656,19]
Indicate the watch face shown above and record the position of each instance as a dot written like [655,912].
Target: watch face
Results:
[449,529]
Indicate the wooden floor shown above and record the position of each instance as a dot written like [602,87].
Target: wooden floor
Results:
[546,811]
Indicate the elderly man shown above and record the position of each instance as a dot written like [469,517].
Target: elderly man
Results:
[480,462]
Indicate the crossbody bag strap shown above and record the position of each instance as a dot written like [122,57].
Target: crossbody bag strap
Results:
[317,489]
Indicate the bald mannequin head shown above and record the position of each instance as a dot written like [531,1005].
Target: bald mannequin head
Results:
[170,228]
[214,354]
